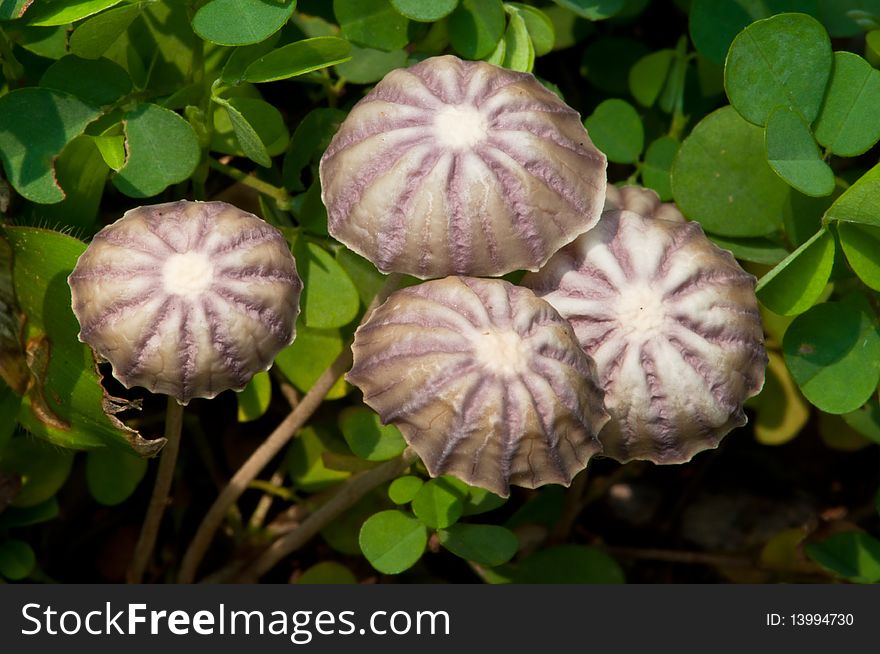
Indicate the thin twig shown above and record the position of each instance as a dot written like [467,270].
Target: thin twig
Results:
[143,551]
[344,498]
[270,447]
[277,193]
[572,508]
[712,559]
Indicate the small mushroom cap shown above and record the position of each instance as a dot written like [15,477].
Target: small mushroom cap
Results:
[673,325]
[643,201]
[185,298]
[461,167]
[485,381]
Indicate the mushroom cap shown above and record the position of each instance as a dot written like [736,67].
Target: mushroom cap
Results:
[455,167]
[187,298]
[485,381]
[673,325]
[643,201]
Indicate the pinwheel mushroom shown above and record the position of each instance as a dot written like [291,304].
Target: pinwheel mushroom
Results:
[455,167]
[673,325]
[187,299]
[484,380]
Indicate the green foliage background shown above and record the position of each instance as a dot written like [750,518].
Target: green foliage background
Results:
[758,119]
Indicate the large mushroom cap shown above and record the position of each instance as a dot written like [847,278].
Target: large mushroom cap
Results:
[461,167]
[673,325]
[485,381]
[187,298]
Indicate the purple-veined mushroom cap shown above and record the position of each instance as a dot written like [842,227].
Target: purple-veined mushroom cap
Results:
[485,381]
[673,325]
[643,201]
[455,167]
[186,298]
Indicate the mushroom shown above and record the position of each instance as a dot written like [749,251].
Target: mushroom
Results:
[673,325]
[485,381]
[461,167]
[643,201]
[187,299]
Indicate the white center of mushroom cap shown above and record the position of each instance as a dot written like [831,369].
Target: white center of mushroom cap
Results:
[459,127]
[501,352]
[640,310]
[189,273]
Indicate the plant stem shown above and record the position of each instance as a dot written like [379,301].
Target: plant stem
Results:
[278,194]
[270,447]
[343,499]
[143,551]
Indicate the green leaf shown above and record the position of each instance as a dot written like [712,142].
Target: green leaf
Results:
[367,437]
[342,534]
[306,463]
[82,171]
[368,65]
[240,22]
[309,356]
[66,403]
[872,47]
[96,81]
[329,298]
[162,150]
[299,58]
[310,139]
[755,248]
[35,125]
[794,155]
[616,130]
[592,9]
[866,420]
[17,559]
[253,400]
[849,123]
[113,475]
[62,12]
[833,353]
[366,278]
[92,38]
[853,555]
[480,500]
[403,489]
[424,11]
[658,165]
[483,544]
[11,9]
[648,76]
[476,27]
[112,149]
[713,24]
[42,467]
[540,27]
[721,178]
[371,23]
[783,60]
[519,53]
[569,564]
[327,572]
[243,56]
[861,245]
[257,127]
[438,504]
[31,515]
[860,203]
[393,541]
[796,283]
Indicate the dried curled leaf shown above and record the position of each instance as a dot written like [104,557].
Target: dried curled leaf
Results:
[485,381]
[461,167]
[673,324]
[187,298]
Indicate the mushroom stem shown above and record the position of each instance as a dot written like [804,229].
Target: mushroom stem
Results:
[345,497]
[271,446]
[143,551]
